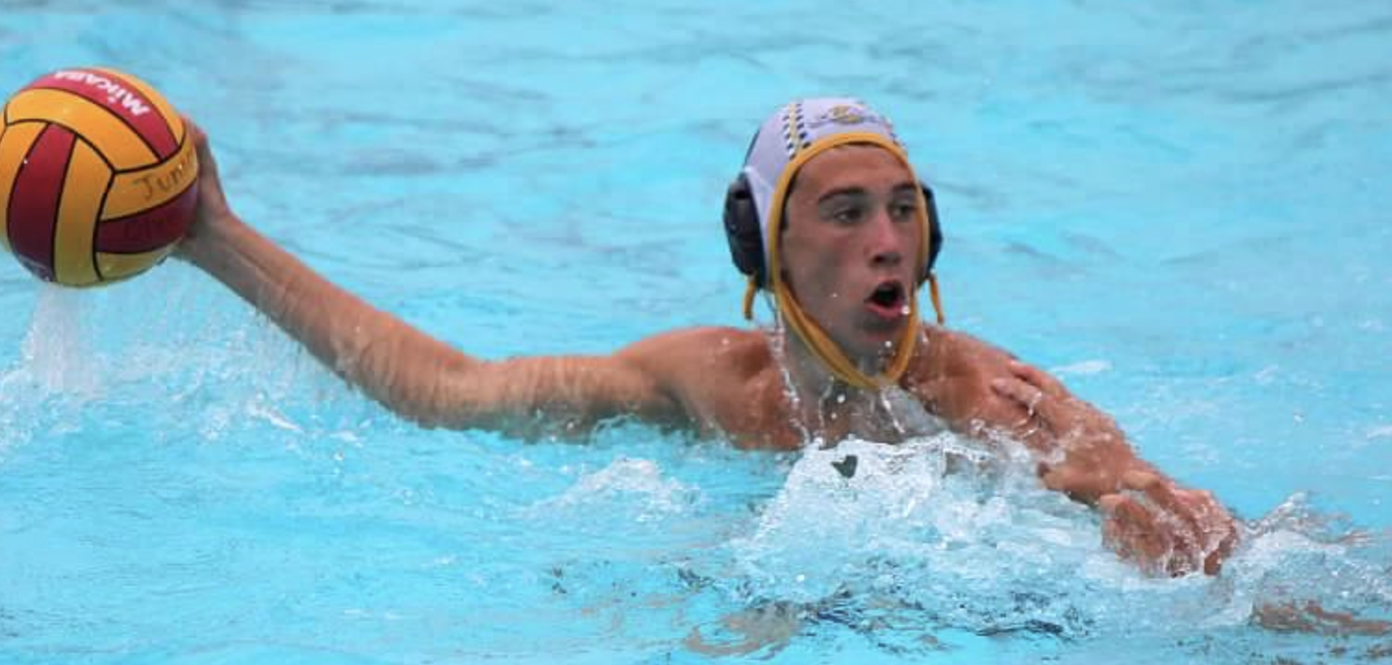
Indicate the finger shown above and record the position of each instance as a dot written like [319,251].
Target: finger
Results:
[1080,486]
[206,163]
[1063,415]
[1059,414]
[1139,480]
[1189,508]
[1172,507]
[1217,530]
[1022,395]
[1038,378]
[1018,391]
[1131,532]
[1213,563]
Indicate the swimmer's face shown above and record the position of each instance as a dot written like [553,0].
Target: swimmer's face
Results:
[850,247]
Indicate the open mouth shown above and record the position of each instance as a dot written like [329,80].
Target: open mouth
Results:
[888,299]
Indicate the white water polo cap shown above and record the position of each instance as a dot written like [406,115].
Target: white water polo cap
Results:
[786,141]
[800,131]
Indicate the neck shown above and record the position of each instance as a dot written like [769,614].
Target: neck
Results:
[821,402]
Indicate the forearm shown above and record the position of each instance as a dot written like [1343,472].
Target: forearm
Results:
[388,360]
[1090,459]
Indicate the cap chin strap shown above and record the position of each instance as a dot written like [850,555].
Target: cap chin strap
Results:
[812,334]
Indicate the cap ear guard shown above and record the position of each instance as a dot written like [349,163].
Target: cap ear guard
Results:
[743,232]
[935,236]
[745,235]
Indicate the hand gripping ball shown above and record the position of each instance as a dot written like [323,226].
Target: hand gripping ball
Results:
[97,177]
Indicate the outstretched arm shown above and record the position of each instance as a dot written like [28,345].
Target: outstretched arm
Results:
[411,373]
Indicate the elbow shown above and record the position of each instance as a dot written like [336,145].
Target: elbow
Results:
[435,390]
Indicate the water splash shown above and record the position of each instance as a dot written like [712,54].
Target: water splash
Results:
[55,351]
[164,364]
[631,482]
[56,375]
[941,533]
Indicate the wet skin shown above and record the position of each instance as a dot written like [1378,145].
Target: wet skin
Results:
[851,228]
[849,232]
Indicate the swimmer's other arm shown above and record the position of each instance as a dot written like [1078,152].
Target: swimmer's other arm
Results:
[407,371]
[1147,516]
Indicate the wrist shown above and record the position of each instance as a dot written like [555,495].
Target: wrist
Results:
[208,239]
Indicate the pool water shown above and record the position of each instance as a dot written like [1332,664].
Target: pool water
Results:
[1180,208]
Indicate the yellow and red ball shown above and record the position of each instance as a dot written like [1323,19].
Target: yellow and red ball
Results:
[98,177]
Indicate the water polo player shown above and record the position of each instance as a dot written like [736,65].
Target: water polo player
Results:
[829,219]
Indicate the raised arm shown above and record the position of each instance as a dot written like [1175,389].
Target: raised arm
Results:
[406,370]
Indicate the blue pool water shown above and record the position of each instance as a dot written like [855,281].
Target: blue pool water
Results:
[1179,207]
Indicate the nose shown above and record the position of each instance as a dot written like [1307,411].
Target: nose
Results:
[885,243]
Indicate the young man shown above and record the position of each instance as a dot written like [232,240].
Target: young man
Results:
[829,218]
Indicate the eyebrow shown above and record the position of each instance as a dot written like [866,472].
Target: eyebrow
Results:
[856,190]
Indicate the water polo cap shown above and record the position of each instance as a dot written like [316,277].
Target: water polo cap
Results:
[754,209]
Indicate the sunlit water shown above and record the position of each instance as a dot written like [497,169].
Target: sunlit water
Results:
[1177,207]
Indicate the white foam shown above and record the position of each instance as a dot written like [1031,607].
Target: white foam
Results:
[1083,368]
[943,503]
[637,481]
[1380,432]
[55,349]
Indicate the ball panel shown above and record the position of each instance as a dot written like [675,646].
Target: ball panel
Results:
[149,230]
[14,145]
[142,189]
[172,119]
[83,191]
[115,267]
[115,93]
[33,210]
[113,139]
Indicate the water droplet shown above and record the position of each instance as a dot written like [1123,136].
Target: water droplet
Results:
[841,399]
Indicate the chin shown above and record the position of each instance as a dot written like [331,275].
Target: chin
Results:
[872,343]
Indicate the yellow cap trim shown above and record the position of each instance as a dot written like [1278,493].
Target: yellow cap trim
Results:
[937,299]
[816,339]
[750,290]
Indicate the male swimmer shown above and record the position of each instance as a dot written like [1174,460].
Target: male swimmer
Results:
[829,219]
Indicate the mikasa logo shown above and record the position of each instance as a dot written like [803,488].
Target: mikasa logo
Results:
[116,94]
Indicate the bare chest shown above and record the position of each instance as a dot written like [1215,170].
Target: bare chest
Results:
[765,414]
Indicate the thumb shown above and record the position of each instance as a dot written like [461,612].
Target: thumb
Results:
[1079,486]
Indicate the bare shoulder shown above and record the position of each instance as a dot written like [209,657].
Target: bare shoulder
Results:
[724,379]
[953,378]
[727,351]
[958,354]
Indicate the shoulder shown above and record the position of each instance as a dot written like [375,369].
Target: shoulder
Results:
[695,348]
[705,360]
[953,375]
[957,354]
[725,379]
